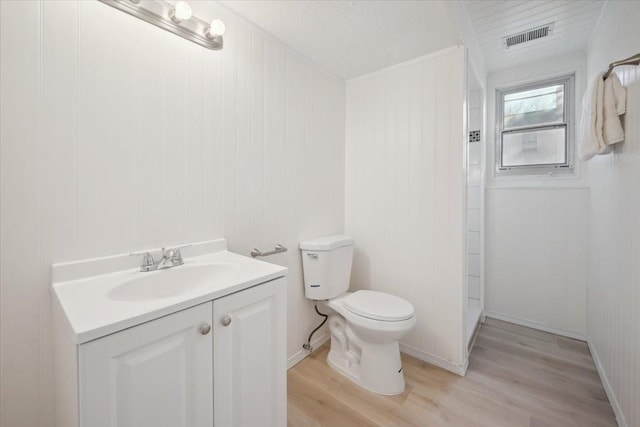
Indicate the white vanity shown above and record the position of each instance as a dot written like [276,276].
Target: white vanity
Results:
[198,345]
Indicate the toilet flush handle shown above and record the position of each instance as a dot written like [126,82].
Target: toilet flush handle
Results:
[313,256]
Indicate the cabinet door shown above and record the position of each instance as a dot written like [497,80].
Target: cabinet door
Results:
[158,374]
[250,364]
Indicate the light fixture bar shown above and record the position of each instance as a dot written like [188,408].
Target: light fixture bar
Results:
[159,13]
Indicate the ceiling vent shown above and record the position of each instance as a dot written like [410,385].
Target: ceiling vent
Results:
[527,36]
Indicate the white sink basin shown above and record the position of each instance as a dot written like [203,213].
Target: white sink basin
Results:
[172,282]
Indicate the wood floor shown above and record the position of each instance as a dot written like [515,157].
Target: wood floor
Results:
[517,377]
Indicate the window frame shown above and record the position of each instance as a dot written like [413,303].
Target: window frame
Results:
[568,81]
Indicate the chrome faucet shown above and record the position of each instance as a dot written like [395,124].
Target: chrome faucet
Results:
[171,257]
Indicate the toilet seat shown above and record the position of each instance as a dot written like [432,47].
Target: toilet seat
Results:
[378,306]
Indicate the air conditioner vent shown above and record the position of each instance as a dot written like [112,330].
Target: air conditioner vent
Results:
[527,35]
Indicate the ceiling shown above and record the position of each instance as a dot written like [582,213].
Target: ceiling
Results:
[352,38]
[355,37]
[491,20]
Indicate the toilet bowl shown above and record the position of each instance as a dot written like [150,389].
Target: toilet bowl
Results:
[365,325]
[365,349]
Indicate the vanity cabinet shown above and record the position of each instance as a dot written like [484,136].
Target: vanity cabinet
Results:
[158,374]
[249,374]
[221,363]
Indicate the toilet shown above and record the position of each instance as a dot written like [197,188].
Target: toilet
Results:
[365,325]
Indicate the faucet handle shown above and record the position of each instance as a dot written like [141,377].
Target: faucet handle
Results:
[147,260]
[176,252]
[176,257]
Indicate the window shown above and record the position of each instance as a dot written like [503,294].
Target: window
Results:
[535,134]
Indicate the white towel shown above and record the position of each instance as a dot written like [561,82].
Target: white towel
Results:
[600,125]
[590,129]
[615,102]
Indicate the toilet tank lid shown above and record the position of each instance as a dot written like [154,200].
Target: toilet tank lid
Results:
[327,243]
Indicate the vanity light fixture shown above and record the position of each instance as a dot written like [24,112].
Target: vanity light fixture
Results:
[181,12]
[175,17]
[216,30]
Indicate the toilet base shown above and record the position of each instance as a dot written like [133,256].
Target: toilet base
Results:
[373,366]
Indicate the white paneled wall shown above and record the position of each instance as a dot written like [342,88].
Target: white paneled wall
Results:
[536,226]
[614,225]
[118,136]
[536,270]
[405,189]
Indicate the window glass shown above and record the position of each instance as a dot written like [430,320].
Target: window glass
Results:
[535,128]
[541,106]
[537,147]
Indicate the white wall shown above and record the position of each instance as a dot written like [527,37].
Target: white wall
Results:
[536,258]
[117,136]
[536,227]
[405,189]
[614,224]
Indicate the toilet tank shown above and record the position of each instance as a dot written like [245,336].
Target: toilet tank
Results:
[326,264]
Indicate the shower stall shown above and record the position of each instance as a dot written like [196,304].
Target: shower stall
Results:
[475,204]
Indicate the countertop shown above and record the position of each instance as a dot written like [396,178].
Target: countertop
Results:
[91,312]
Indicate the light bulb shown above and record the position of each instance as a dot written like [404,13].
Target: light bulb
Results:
[216,28]
[181,12]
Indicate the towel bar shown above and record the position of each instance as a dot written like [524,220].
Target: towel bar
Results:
[632,60]
[278,250]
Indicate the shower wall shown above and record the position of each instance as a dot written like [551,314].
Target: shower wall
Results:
[474,198]
[405,186]
[475,206]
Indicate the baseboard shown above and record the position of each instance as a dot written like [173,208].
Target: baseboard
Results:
[474,336]
[300,355]
[436,360]
[536,325]
[617,410]
[465,366]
